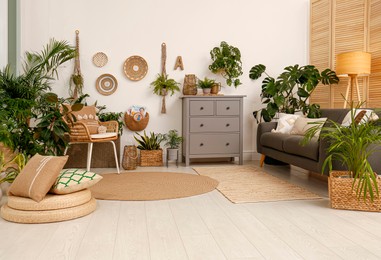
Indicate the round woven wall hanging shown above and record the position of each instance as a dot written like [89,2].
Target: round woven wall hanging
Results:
[135,68]
[106,84]
[100,59]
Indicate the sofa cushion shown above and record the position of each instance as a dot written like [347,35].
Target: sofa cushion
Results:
[273,140]
[292,145]
[285,123]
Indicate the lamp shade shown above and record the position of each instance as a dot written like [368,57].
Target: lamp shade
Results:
[356,62]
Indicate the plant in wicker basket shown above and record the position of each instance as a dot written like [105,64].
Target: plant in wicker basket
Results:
[351,146]
[150,152]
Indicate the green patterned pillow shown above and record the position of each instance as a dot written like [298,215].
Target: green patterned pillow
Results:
[72,180]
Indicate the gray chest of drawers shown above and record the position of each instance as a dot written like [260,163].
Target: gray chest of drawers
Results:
[212,127]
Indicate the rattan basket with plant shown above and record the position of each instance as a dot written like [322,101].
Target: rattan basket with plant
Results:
[150,152]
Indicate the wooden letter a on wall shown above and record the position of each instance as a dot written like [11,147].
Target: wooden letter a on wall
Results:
[179,63]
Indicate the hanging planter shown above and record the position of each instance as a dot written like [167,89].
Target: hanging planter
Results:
[163,86]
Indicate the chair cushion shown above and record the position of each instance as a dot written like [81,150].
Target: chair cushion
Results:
[37,177]
[105,135]
[72,180]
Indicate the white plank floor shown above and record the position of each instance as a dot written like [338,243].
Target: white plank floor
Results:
[202,227]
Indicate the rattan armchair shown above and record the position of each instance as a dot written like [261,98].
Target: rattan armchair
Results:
[80,132]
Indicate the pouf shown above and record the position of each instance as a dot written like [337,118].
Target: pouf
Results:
[53,208]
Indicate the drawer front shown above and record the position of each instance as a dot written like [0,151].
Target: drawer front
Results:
[201,108]
[221,124]
[214,143]
[227,107]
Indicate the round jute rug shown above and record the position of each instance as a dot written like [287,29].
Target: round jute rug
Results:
[151,186]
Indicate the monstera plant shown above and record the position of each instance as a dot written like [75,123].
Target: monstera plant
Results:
[290,91]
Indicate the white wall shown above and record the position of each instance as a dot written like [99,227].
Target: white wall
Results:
[3,33]
[272,32]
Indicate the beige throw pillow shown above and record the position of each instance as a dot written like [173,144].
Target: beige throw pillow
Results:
[87,115]
[37,177]
[369,115]
[285,123]
[303,124]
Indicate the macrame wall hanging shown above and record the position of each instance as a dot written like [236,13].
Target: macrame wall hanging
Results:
[76,78]
[164,73]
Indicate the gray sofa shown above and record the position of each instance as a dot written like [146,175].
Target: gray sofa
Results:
[287,148]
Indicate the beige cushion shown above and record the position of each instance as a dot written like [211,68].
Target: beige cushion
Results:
[303,124]
[88,116]
[37,177]
[72,180]
[285,123]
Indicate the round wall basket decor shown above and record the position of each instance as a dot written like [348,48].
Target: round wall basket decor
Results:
[100,59]
[135,68]
[106,84]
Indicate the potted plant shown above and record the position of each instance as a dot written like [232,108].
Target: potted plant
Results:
[351,146]
[26,98]
[206,85]
[173,140]
[150,152]
[163,85]
[290,91]
[227,62]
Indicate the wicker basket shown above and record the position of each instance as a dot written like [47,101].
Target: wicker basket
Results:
[151,157]
[130,157]
[343,197]
[136,125]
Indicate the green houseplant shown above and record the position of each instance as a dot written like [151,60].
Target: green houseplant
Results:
[150,152]
[173,141]
[351,146]
[26,97]
[206,84]
[227,61]
[163,85]
[290,91]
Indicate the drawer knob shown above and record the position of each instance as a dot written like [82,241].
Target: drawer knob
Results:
[227,125]
[201,125]
[201,144]
[227,144]
[201,108]
[227,108]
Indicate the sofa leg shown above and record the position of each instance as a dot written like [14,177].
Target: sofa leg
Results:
[262,160]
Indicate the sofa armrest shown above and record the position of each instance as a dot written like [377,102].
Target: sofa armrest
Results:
[264,127]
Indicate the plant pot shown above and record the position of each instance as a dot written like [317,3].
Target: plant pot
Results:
[151,157]
[172,154]
[215,88]
[206,90]
[342,196]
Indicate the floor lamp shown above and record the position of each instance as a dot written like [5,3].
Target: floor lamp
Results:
[353,64]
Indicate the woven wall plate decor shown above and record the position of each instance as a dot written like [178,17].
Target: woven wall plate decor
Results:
[135,68]
[106,84]
[100,59]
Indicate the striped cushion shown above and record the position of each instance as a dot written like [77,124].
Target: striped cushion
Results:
[72,180]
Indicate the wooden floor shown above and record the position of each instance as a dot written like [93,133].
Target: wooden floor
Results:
[203,227]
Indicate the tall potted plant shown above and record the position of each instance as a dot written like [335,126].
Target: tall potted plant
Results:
[26,97]
[150,152]
[357,187]
[163,86]
[290,91]
[173,141]
[227,62]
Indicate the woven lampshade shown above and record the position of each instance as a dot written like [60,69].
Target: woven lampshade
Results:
[355,63]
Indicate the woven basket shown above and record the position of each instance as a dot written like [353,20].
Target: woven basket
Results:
[130,157]
[151,157]
[343,197]
[136,125]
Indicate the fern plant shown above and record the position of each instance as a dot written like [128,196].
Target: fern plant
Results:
[206,83]
[151,142]
[164,84]
[173,140]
